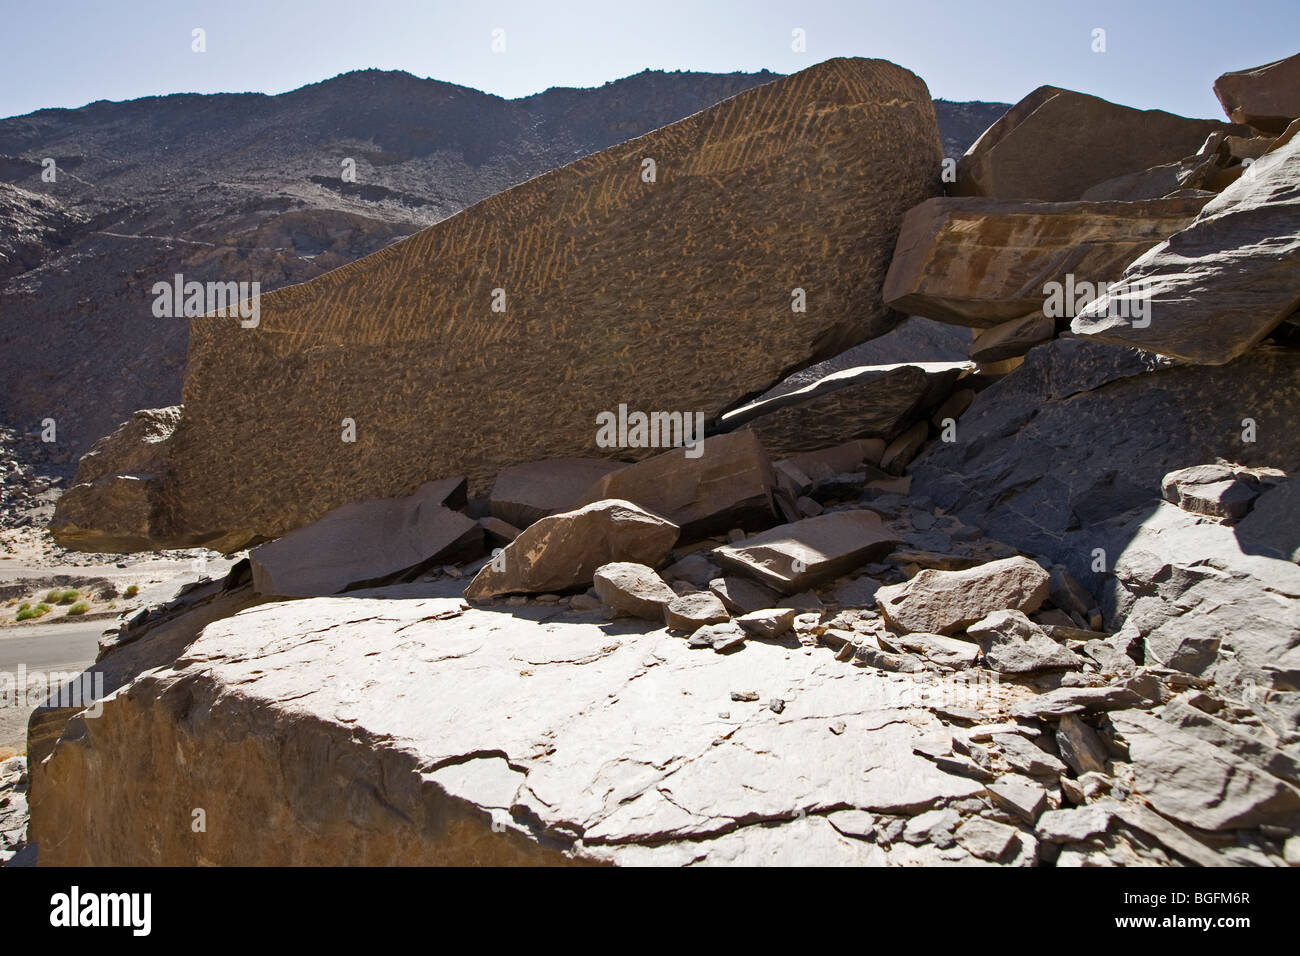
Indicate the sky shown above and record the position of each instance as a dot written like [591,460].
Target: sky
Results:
[1158,53]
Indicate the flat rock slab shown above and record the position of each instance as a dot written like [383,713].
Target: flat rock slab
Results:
[794,557]
[633,589]
[562,552]
[365,731]
[857,403]
[498,335]
[368,542]
[1035,151]
[721,483]
[982,262]
[1214,290]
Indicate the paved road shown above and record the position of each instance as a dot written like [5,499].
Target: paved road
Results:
[63,646]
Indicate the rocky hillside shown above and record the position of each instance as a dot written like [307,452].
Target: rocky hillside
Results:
[250,187]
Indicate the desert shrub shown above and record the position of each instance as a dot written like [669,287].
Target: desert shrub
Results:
[81,607]
[133,590]
[70,596]
[26,614]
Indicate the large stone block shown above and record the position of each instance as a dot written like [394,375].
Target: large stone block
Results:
[667,295]
[981,262]
[1039,150]
[1266,97]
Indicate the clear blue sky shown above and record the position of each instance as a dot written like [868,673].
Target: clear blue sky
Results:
[1160,53]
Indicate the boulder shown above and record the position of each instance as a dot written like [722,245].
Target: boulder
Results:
[769,623]
[510,332]
[943,602]
[692,611]
[866,402]
[740,595]
[633,589]
[1218,490]
[117,496]
[562,552]
[524,493]
[946,651]
[900,452]
[1035,151]
[984,262]
[1266,97]
[1215,289]
[725,482]
[794,557]
[368,542]
[1013,644]
[1012,338]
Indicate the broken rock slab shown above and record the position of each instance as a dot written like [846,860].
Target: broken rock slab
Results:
[1035,152]
[1219,490]
[528,492]
[562,552]
[464,735]
[368,542]
[724,482]
[1216,288]
[944,602]
[412,345]
[984,262]
[866,402]
[795,557]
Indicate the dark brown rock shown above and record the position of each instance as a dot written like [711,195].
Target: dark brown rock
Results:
[524,493]
[724,482]
[562,552]
[1035,151]
[369,542]
[1266,97]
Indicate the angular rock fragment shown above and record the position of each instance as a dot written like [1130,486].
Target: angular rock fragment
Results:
[368,542]
[1011,339]
[740,595]
[948,651]
[1027,757]
[1256,744]
[794,557]
[987,839]
[633,589]
[562,552]
[1079,746]
[1035,151]
[1266,97]
[500,334]
[724,482]
[986,262]
[1013,644]
[769,623]
[943,602]
[1218,490]
[865,402]
[722,637]
[1024,797]
[1217,287]
[498,531]
[522,494]
[692,611]
[904,448]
